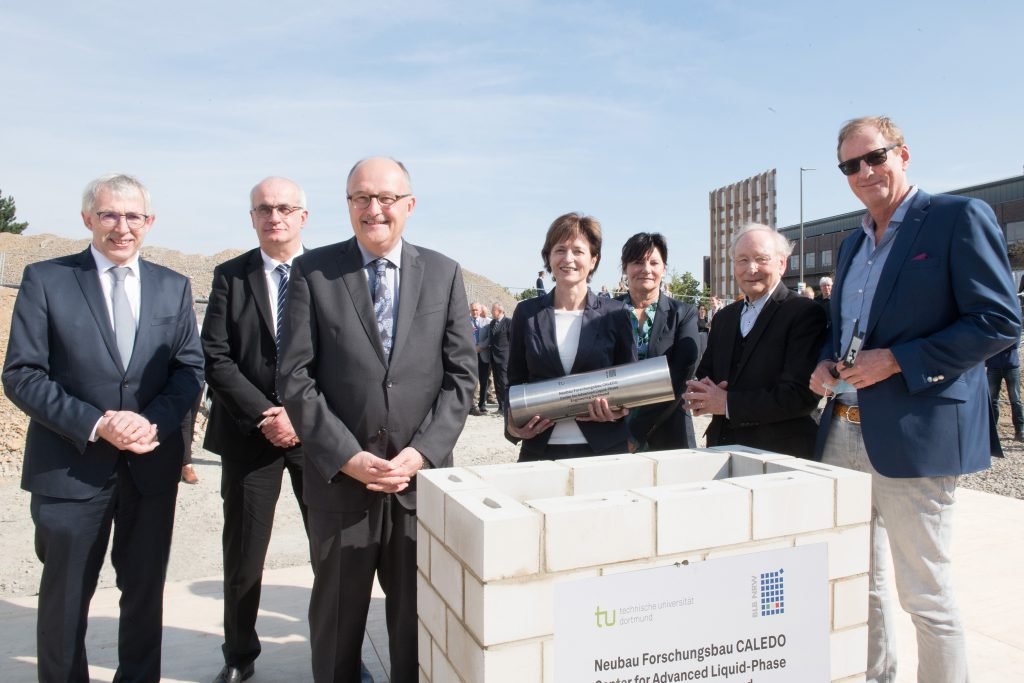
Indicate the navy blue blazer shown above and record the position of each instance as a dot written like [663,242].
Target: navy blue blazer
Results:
[674,335]
[945,302]
[63,369]
[606,340]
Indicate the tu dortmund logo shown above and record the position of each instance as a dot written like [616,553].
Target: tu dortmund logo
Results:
[604,618]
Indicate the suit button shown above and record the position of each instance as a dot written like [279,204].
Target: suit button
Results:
[940,378]
[390,384]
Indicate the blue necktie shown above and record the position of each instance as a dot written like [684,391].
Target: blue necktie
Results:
[383,305]
[282,293]
[124,320]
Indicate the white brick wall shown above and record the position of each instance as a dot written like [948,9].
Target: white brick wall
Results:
[494,540]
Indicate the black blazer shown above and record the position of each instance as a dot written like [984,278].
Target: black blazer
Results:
[63,369]
[500,339]
[606,339]
[674,336]
[241,359]
[770,402]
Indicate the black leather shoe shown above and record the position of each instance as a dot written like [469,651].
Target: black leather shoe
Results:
[230,674]
[1018,435]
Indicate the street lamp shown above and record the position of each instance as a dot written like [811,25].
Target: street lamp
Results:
[802,169]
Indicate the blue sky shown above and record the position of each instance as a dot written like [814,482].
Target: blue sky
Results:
[507,114]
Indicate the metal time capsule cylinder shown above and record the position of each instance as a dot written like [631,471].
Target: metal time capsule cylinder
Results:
[631,385]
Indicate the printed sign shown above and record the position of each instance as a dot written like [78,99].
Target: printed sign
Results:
[760,617]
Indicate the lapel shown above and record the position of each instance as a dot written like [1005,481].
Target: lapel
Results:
[89,281]
[590,314]
[258,286]
[410,282]
[354,278]
[905,238]
[761,324]
[545,329]
[725,330]
[655,347]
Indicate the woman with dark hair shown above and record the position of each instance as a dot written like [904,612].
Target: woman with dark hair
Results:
[567,331]
[661,326]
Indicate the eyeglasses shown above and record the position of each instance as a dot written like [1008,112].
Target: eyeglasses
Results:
[110,219]
[266,210]
[361,201]
[873,158]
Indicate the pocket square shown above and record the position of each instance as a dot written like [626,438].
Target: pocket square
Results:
[923,256]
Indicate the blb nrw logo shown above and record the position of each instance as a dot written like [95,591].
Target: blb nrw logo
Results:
[772,594]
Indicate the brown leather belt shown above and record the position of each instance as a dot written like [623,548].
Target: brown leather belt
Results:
[849,413]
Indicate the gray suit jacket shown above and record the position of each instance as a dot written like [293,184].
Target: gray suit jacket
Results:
[63,369]
[341,393]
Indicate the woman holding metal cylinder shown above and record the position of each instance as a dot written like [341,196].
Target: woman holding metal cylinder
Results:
[567,331]
[661,326]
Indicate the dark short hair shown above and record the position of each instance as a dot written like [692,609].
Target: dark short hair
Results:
[639,245]
[570,226]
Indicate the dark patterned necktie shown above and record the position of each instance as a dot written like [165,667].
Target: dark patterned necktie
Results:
[124,321]
[282,293]
[383,305]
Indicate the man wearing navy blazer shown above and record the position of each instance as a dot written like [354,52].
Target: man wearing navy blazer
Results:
[248,427]
[925,287]
[377,370]
[105,359]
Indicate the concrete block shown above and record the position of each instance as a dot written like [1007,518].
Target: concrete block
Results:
[442,670]
[752,547]
[687,465]
[654,563]
[751,462]
[602,473]
[848,550]
[423,550]
[526,480]
[506,611]
[849,602]
[700,515]
[446,576]
[789,503]
[514,663]
[464,653]
[852,488]
[548,653]
[493,533]
[431,611]
[431,488]
[423,647]
[848,650]
[584,531]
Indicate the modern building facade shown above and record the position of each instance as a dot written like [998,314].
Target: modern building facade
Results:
[823,236]
[731,207]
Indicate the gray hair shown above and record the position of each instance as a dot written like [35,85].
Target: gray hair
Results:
[302,193]
[783,247]
[825,281]
[118,184]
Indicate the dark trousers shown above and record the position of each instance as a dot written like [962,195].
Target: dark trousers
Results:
[250,489]
[483,369]
[71,541]
[996,377]
[500,382]
[347,548]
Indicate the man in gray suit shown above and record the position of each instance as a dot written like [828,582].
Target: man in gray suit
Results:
[377,370]
[104,358]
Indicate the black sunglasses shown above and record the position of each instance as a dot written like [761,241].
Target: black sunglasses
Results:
[873,158]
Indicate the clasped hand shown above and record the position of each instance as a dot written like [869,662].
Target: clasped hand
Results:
[127,431]
[384,476]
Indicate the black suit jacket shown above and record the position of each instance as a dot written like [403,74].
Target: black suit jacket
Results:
[241,358]
[769,399]
[606,340]
[500,339]
[674,335]
[63,369]
[341,393]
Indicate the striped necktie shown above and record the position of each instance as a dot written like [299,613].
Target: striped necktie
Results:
[282,293]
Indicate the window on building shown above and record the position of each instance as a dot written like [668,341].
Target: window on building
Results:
[1015,231]
[794,262]
[826,258]
[809,259]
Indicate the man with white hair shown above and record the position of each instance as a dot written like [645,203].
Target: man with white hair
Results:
[761,351]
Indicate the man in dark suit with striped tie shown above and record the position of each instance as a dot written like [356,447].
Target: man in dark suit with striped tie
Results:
[248,427]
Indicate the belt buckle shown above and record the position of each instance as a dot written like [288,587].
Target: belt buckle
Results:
[850,412]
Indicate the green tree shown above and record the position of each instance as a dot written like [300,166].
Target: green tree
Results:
[7,211]
[527,293]
[686,288]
